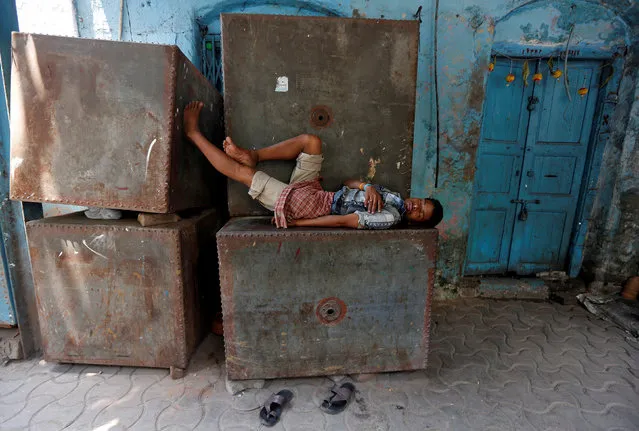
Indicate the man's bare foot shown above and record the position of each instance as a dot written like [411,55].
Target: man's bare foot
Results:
[191,117]
[245,157]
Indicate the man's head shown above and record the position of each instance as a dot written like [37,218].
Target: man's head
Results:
[428,212]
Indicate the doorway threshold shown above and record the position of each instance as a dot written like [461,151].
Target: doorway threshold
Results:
[512,288]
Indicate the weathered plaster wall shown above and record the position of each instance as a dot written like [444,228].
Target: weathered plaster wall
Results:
[54,17]
[612,245]
[548,23]
[464,34]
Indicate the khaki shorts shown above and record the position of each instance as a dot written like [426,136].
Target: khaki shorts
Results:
[267,189]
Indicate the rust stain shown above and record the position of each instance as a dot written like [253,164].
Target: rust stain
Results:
[470,146]
[331,311]
[404,359]
[476,93]
[321,117]
[306,308]
[70,345]
[73,255]
[372,168]
[34,252]
[148,301]
[491,26]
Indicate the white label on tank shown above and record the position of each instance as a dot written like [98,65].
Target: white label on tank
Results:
[282,84]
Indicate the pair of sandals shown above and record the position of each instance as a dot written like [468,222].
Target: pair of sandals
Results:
[335,403]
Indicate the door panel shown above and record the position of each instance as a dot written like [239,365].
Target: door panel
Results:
[555,156]
[561,121]
[504,120]
[501,168]
[552,175]
[539,239]
[498,165]
[489,250]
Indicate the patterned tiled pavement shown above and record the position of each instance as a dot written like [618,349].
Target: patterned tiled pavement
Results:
[493,365]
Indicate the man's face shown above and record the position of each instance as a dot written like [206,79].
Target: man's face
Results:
[418,210]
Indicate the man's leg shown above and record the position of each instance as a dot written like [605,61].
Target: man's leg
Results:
[226,165]
[291,148]
[285,150]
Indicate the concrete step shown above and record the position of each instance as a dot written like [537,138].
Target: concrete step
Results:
[10,344]
[519,288]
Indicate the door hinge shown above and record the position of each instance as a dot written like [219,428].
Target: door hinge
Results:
[612,98]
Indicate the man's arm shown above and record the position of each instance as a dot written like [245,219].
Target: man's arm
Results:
[350,220]
[353,184]
[374,201]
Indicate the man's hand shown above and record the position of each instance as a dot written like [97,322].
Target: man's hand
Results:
[373,200]
[291,222]
[191,118]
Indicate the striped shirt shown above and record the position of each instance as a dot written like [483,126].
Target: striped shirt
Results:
[349,201]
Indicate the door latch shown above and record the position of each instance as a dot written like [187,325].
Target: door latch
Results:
[532,101]
[523,213]
[524,201]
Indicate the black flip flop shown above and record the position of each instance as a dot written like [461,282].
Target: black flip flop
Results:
[272,410]
[339,399]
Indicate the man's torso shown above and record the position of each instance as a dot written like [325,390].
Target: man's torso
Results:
[349,201]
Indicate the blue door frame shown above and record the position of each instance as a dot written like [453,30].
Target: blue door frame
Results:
[15,250]
[7,304]
[516,149]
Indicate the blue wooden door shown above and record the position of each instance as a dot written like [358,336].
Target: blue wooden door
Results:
[556,149]
[499,160]
[530,164]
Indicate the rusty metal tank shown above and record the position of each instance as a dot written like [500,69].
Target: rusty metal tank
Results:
[99,123]
[349,81]
[112,292]
[311,302]
[302,302]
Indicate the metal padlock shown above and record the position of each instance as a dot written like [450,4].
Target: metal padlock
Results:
[523,214]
